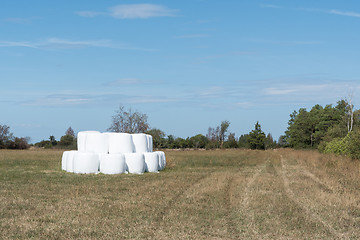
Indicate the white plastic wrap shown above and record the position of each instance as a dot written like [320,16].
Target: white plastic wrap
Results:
[64,160]
[162,160]
[120,142]
[152,161]
[86,162]
[81,140]
[135,162]
[112,163]
[140,142]
[70,161]
[113,153]
[96,142]
[150,142]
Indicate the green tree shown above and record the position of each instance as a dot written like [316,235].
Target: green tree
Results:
[53,140]
[198,141]
[170,141]
[231,141]
[256,139]
[243,141]
[269,142]
[19,143]
[308,129]
[158,137]
[223,130]
[67,140]
[5,136]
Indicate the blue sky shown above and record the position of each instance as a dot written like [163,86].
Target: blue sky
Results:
[187,64]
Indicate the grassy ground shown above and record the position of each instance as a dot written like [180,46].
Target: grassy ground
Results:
[232,194]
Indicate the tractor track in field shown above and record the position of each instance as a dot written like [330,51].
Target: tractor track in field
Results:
[247,192]
[306,209]
[161,215]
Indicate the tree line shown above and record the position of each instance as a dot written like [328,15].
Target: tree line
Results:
[330,129]
[127,120]
[9,141]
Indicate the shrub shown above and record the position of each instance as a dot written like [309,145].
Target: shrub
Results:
[338,146]
[354,144]
[349,145]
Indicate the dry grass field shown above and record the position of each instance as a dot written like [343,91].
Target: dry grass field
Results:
[224,194]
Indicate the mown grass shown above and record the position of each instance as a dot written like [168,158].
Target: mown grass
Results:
[223,194]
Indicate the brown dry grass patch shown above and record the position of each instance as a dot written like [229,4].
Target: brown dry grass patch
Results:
[226,194]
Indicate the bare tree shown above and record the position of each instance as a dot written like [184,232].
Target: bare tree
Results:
[350,111]
[70,132]
[128,121]
[218,134]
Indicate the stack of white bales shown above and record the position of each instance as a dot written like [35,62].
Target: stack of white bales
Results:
[113,153]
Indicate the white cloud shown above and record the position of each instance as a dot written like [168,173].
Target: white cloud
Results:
[329,11]
[151,99]
[124,81]
[193,36]
[270,6]
[296,89]
[288,43]
[278,91]
[89,13]
[59,43]
[349,14]
[213,91]
[132,11]
[17,44]
[59,100]
[18,20]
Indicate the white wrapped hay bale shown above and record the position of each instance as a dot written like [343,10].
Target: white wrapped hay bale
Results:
[112,163]
[135,162]
[120,142]
[150,142]
[96,142]
[81,140]
[85,162]
[151,161]
[64,160]
[140,142]
[162,160]
[70,161]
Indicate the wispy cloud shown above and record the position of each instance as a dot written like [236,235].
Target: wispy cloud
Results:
[328,11]
[124,81]
[92,98]
[59,100]
[89,13]
[270,6]
[18,20]
[59,43]
[286,90]
[208,58]
[288,43]
[131,82]
[344,13]
[278,91]
[133,11]
[193,36]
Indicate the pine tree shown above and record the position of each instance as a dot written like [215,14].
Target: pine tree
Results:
[256,138]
